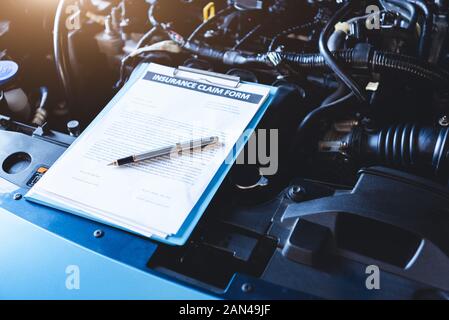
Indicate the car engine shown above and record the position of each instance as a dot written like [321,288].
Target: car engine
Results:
[361,118]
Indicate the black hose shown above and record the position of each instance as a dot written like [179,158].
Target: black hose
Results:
[204,51]
[336,95]
[385,61]
[330,59]
[60,51]
[426,33]
[407,146]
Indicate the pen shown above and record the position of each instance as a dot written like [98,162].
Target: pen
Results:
[177,148]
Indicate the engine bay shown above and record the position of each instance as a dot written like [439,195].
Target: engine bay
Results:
[362,116]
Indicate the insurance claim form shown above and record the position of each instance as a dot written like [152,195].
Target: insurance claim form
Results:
[154,197]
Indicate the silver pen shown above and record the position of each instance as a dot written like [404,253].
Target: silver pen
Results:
[164,151]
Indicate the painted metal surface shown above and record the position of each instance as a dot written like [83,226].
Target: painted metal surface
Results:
[38,264]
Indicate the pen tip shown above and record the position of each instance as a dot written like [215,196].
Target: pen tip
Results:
[112,164]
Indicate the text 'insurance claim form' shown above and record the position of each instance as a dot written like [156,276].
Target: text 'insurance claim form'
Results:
[154,197]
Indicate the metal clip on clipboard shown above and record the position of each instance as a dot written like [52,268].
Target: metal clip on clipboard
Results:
[214,78]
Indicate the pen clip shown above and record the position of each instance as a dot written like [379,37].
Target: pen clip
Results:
[225,80]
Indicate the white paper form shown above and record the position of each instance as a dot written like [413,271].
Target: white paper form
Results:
[155,196]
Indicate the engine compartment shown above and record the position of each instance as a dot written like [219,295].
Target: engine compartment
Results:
[362,117]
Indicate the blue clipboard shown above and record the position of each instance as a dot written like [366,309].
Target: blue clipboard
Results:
[198,210]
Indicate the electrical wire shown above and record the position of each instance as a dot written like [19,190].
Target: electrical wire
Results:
[318,113]
[247,36]
[331,60]
[316,21]
[147,36]
[366,58]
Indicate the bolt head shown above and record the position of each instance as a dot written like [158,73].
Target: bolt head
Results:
[209,33]
[17,196]
[297,190]
[98,233]
[297,193]
[247,287]
[444,121]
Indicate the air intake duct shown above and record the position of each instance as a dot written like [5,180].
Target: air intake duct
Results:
[421,150]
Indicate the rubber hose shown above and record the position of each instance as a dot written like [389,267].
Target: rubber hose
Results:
[426,32]
[330,59]
[405,146]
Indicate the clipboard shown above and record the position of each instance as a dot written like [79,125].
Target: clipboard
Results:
[183,234]
[197,212]
[215,78]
